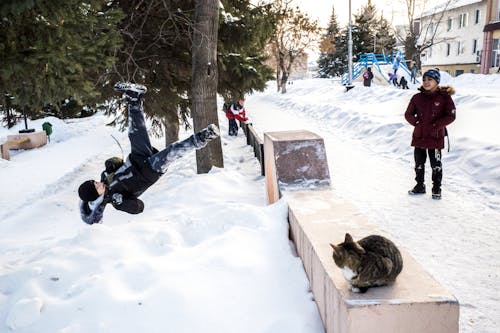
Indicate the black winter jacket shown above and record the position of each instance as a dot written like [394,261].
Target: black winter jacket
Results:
[129,179]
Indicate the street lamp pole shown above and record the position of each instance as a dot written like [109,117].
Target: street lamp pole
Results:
[349,50]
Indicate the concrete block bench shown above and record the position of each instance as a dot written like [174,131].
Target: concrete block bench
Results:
[22,141]
[317,216]
[414,303]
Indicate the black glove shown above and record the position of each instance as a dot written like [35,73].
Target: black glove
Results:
[112,164]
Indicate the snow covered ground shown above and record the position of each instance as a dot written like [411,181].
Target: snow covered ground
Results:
[209,255]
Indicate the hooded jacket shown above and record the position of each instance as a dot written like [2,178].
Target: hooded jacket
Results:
[236,111]
[129,180]
[430,113]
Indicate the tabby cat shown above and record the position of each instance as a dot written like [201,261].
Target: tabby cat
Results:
[370,262]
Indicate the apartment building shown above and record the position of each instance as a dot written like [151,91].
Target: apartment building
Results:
[455,30]
[490,58]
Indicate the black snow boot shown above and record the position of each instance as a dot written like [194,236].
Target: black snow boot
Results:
[418,189]
[203,137]
[132,91]
[436,192]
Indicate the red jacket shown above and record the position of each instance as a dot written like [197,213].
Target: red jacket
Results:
[236,111]
[430,113]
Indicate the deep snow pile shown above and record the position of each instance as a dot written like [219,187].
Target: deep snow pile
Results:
[208,254]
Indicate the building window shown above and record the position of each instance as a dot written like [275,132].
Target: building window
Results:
[462,20]
[460,47]
[459,72]
[477,16]
[473,71]
[450,24]
[474,46]
[495,53]
[448,47]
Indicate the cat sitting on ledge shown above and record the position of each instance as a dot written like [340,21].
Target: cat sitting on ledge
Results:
[370,262]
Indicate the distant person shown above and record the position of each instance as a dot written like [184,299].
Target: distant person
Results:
[367,77]
[395,63]
[393,78]
[414,72]
[122,182]
[430,111]
[236,111]
[403,84]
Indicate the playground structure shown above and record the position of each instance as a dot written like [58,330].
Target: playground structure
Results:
[382,65]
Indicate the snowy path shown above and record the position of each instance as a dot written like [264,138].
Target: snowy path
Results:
[203,239]
[455,238]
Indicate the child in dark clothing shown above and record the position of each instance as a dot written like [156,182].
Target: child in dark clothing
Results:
[430,111]
[123,182]
[403,84]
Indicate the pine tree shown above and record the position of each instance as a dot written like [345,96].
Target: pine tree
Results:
[157,52]
[369,33]
[245,29]
[385,40]
[364,29]
[332,60]
[54,50]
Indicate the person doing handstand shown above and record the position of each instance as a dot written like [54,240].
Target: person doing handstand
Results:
[122,182]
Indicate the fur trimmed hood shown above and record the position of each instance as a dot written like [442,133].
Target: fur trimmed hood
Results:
[441,89]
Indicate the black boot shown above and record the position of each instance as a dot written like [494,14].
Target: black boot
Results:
[419,178]
[132,91]
[418,189]
[203,137]
[436,192]
[437,176]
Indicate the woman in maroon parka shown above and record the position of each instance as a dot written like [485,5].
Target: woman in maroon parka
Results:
[429,112]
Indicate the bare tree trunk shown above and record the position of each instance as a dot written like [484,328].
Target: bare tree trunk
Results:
[278,82]
[204,85]
[171,129]
[284,80]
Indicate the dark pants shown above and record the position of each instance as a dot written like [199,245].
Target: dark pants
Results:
[233,127]
[436,165]
[141,145]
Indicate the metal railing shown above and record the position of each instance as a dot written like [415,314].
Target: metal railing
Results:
[256,142]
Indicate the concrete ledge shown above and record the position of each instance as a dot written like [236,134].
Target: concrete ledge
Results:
[22,141]
[35,140]
[415,303]
[294,159]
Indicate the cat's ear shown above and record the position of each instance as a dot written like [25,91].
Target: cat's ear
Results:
[348,238]
[334,247]
[359,248]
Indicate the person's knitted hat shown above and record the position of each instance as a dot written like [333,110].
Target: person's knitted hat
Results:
[434,74]
[87,191]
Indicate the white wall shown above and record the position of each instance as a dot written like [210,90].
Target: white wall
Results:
[460,34]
